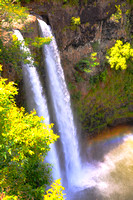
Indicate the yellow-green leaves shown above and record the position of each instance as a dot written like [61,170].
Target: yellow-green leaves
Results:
[11,12]
[14,16]
[75,21]
[28,132]
[55,192]
[24,143]
[117,16]
[0,64]
[119,54]
[10,198]
[38,41]
[86,64]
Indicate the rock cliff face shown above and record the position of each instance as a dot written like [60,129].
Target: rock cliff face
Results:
[97,31]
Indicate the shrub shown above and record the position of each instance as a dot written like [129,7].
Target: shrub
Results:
[75,21]
[119,55]
[86,64]
[55,192]
[117,16]
[24,143]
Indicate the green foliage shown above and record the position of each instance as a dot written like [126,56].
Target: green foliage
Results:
[94,80]
[24,143]
[38,41]
[12,55]
[78,77]
[130,2]
[7,197]
[71,86]
[119,55]
[75,21]
[74,2]
[13,15]
[86,64]
[117,16]
[65,1]
[70,2]
[76,95]
[106,101]
[96,46]
[103,75]
[55,192]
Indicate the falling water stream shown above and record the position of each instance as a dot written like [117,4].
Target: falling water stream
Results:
[36,99]
[61,106]
[106,169]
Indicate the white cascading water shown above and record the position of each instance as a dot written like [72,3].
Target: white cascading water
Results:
[61,105]
[36,100]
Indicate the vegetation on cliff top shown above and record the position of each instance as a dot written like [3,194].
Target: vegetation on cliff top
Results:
[14,16]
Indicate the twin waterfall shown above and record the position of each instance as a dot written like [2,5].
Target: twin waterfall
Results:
[60,108]
[36,99]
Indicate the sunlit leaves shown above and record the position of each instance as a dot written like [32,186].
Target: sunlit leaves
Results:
[117,16]
[38,41]
[11,12]
[86,64]
[119,54]
[10,198]
[75,21]
[24,143]
[55,192]
[14,16]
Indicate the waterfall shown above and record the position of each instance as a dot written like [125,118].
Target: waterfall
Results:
[75,176]
[36,100]
[107,171]
[61,106]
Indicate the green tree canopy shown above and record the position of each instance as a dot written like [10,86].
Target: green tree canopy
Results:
[24,143]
